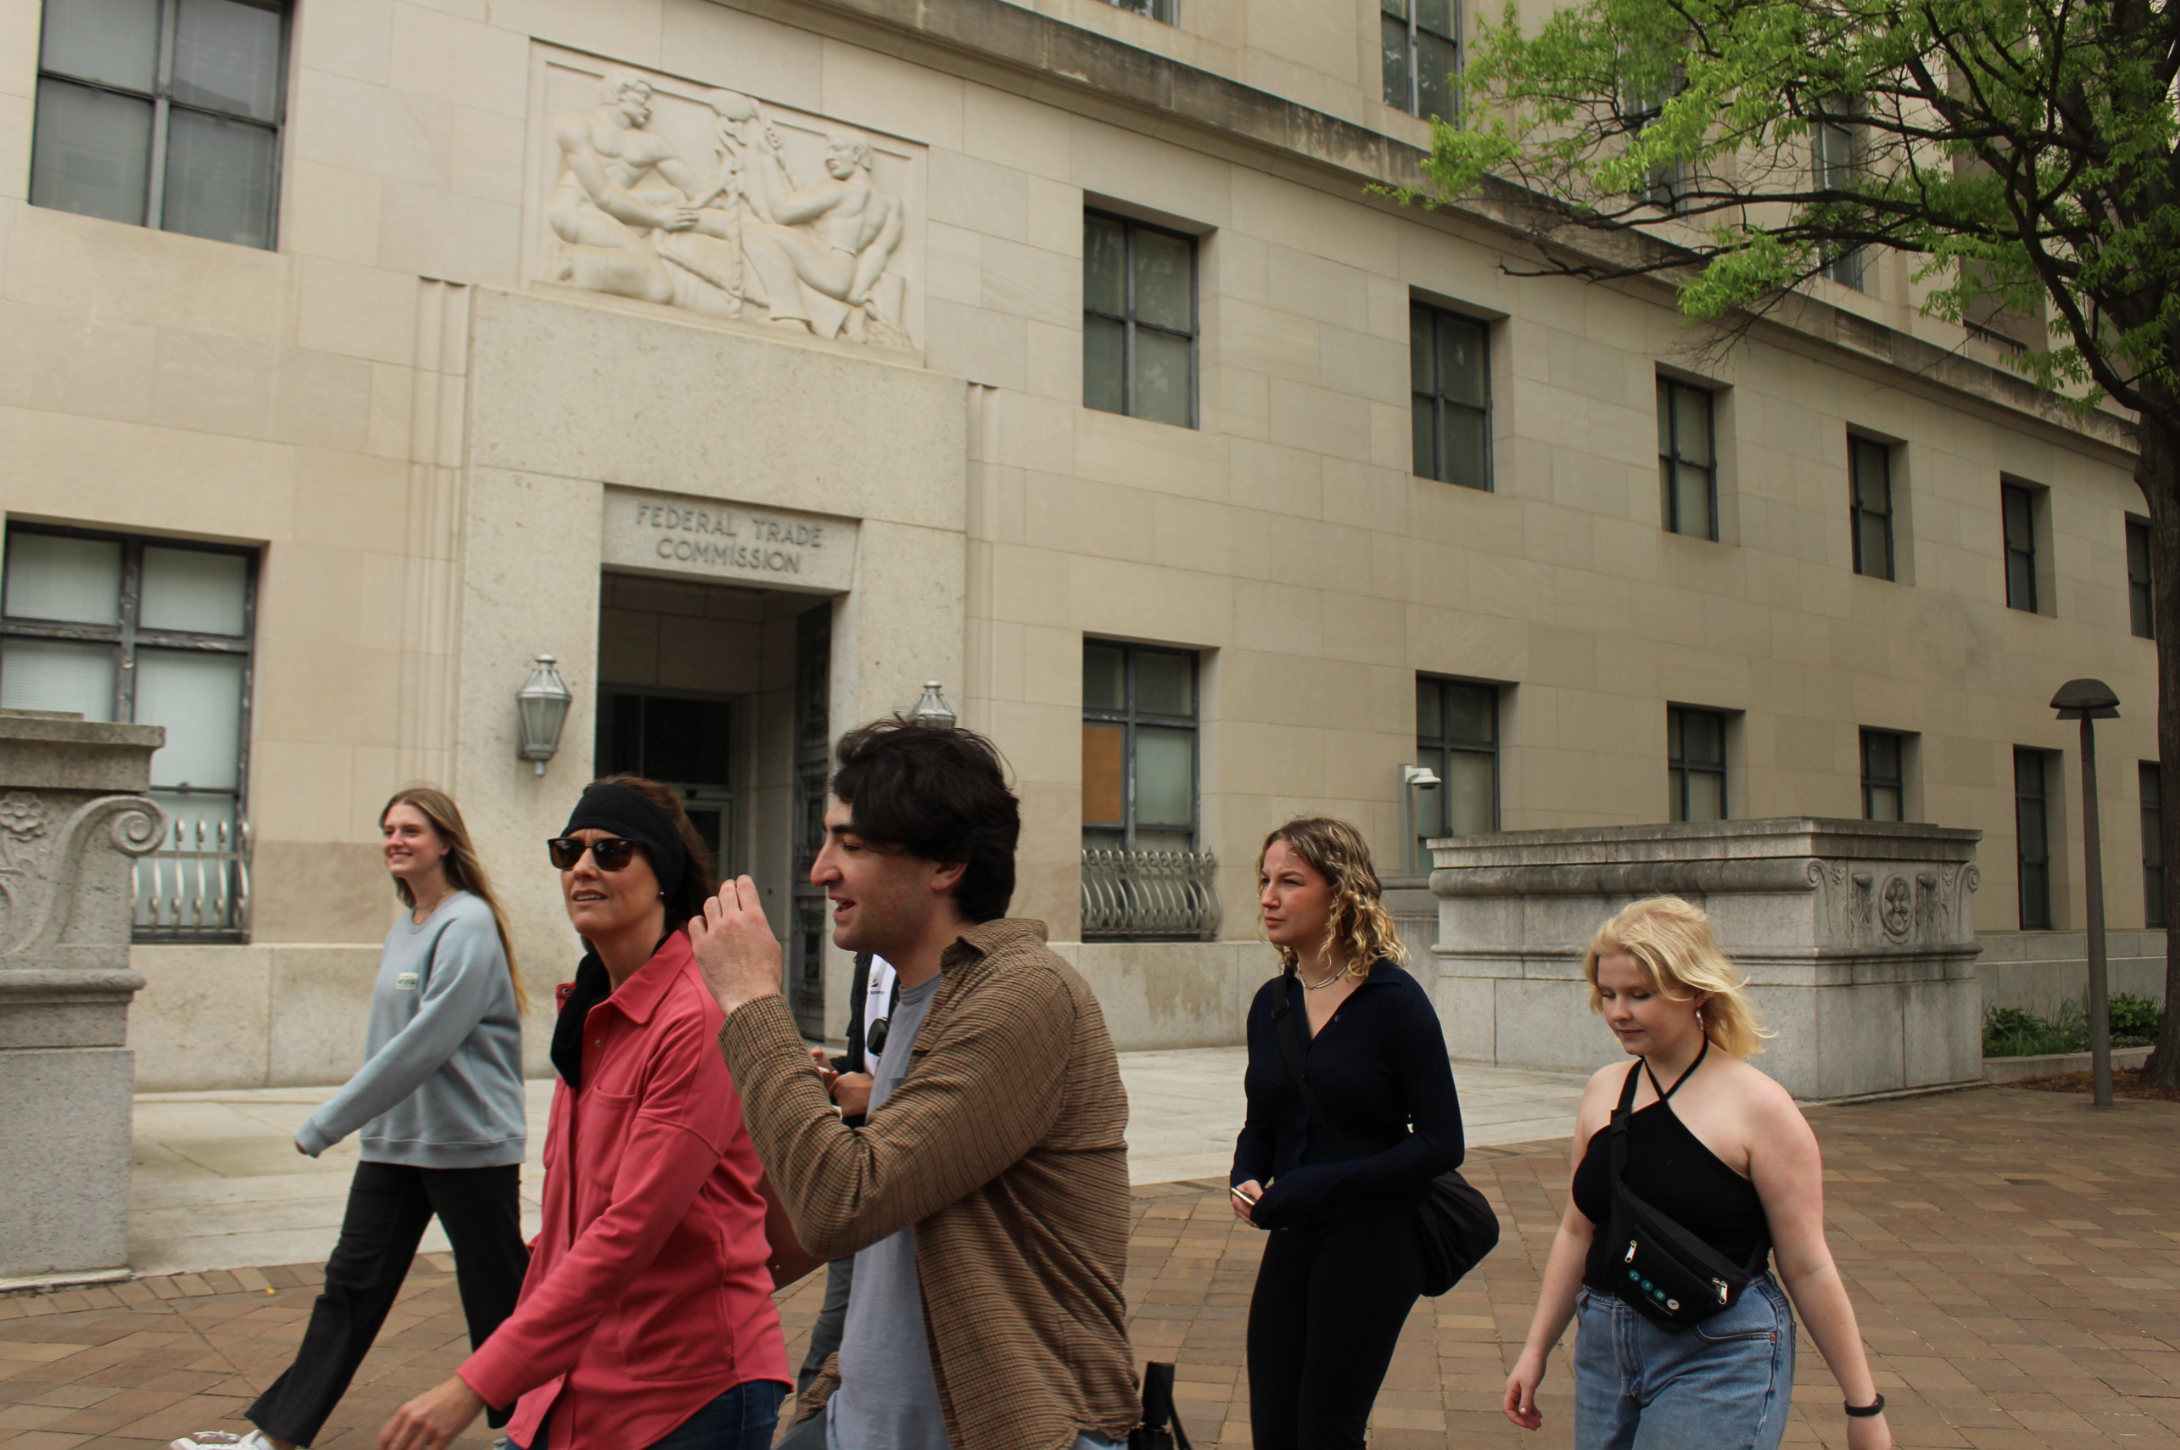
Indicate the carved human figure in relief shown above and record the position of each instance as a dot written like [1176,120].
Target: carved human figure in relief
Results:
[833,239]
[609,224]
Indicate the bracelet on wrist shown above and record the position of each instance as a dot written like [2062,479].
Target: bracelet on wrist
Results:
[1864,1412]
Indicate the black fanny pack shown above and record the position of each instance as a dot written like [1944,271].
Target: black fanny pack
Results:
[1673,1277]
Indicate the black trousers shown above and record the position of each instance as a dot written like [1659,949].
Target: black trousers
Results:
[1329,1305]
[389,1207]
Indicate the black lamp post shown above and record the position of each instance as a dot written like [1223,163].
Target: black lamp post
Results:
[2090,701]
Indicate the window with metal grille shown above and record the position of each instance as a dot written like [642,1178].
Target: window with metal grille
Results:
[1687,459]
[1155,9]
[1695,750]
[1450,379]
[155,631]
[2141,603]
[1421,42]
[1139,732]
[1457,739]
[1138,319]
[1869,506]
[1884,778]
[2032,836]
[2019,506]
[2153,844]
[162,113]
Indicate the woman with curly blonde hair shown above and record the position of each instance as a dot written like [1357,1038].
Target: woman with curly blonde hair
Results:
[1344,1267]
[1719,1149]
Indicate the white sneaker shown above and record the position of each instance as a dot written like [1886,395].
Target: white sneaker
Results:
[222,1440]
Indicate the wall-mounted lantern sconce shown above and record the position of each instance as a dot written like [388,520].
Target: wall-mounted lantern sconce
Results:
[932,709]
[1413,778]
[542,703]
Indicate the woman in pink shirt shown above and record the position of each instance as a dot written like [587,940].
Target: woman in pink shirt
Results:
[646,1319]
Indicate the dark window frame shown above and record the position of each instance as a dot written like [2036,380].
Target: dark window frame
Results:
[1669,462]
[1407,21]
[1437,751]
[1873,782]
[1127,319]
[2151,796]
[2141,578]
[2032,793]
[1858,446]
[1835,158]
[1437,402]
[1129,717]
[1679,767]
[164,105]
[2022,583]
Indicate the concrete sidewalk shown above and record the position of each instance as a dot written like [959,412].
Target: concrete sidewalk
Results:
[218,1183]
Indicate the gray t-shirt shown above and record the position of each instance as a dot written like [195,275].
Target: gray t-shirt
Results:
[887,1399]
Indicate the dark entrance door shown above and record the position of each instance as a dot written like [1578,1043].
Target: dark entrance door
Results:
[681,740]
[807,930]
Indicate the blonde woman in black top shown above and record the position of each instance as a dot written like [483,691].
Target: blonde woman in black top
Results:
[1720,1148]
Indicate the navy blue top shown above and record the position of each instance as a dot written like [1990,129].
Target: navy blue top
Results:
[1380,1067]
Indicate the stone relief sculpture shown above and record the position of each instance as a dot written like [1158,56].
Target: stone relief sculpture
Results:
[733,233]
[1927,907]
[42,861]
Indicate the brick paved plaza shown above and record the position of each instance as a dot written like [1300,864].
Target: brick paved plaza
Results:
[2015,1257]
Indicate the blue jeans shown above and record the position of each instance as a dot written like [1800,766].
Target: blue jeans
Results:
[741,1419]
[1723,1384]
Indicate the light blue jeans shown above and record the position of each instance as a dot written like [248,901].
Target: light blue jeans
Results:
[1723,1384]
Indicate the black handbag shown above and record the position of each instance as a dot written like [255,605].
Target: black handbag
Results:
[1158,1412]
[1455,1225]
[1667,1273]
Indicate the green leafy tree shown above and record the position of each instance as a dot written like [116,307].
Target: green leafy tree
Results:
[2020,153]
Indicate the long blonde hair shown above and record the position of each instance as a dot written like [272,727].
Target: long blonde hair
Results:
[463,869]
[1359,929]
[1670,942]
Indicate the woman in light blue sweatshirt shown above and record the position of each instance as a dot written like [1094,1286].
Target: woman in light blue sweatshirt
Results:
[439,1107]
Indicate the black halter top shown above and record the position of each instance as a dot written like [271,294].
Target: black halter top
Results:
[1669,1168]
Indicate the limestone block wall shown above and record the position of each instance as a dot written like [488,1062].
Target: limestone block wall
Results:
[2040,970]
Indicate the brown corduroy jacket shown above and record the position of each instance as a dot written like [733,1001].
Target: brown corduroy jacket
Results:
[1005,1147]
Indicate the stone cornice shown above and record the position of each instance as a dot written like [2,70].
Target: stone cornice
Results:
[1020,50]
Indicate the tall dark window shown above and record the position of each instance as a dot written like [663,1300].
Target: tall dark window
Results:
[1421,41]
[1138,747]
[1832,140]
[1695,750]
[2032,837]
[157,632]
[2020,509]
[162,113]
[680,740]
[2153,844]
[2141,603]
[1450,375]
[1870,506]
[1155,9]
[1687,459]
[1457,738]
[1884,779]
[1138,320]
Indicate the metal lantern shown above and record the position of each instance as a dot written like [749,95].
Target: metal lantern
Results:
[932,709]
[542,703]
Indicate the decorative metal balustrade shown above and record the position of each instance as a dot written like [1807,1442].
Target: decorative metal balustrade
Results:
[1150,895]
[196,886]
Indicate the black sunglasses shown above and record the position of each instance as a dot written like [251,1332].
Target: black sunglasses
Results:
[610,853]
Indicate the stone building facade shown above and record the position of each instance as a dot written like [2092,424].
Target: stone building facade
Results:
[764,361]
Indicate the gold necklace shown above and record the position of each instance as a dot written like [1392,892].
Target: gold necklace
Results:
[419,915]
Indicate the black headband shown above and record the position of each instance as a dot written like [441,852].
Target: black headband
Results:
[634,816]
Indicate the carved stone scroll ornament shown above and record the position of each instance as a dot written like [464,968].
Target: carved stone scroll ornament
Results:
[42,860]
[637,218]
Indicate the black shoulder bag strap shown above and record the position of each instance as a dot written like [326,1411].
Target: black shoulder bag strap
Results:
[1620,1116]
[1290,1047]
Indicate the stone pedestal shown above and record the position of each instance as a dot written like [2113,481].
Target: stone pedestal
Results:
[1858,938]
[72,815]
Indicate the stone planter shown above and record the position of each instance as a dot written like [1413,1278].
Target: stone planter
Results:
[1858,938]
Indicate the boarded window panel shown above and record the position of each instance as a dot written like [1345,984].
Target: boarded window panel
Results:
[52,674]
[1165,778]
[74,581]
[194,590]
[1706,796]
[1469,791]
[1102,788]
[198,698]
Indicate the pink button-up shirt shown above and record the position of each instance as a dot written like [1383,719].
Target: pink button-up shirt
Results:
[647,1295]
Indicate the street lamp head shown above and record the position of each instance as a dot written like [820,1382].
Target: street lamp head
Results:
[2086,700]
[542,708]
[932,709]
[1418,775]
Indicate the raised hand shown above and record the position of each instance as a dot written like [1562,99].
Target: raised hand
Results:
[735,947]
